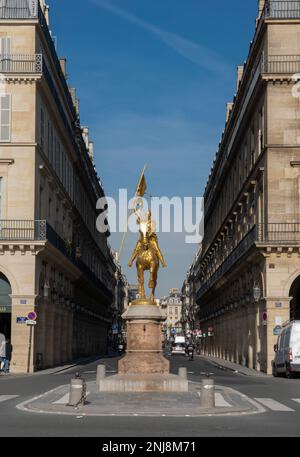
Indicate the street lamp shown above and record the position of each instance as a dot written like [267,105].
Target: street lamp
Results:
[256,293]
[46,289]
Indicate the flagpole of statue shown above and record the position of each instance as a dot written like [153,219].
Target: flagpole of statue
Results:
[138,193]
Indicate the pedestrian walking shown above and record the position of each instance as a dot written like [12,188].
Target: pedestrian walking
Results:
[2,349]
[7,358]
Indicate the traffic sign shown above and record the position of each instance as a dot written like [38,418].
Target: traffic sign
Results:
[277,330]
[265,318]
[30,322]
[32,316]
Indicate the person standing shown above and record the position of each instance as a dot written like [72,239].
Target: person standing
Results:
[2,349]
[7,358]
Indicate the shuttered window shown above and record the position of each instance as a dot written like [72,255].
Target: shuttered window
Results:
[5,54]
[5,118]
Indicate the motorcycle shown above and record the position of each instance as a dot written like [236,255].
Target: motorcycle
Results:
[190,352]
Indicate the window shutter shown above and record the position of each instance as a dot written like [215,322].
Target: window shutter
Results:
[5,118]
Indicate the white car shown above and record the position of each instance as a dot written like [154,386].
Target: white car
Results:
[287,351]
[178,348]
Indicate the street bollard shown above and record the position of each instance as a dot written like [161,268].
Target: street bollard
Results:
[182,372]
[208,393]
[101,373]
[77,391]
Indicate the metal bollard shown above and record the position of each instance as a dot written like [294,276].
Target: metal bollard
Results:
[101,373]
[182,372]
[208,392]
[77,391]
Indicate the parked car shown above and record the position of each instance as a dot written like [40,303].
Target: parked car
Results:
[179,345]
[287,351]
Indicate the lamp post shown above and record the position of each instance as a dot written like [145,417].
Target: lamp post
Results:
[256,293]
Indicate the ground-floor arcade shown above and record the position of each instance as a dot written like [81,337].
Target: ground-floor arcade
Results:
[72,314]
[241,327]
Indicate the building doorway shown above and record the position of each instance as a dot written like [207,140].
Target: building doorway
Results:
[295,303]
[5,306]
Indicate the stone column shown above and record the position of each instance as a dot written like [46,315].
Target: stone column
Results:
[23,355]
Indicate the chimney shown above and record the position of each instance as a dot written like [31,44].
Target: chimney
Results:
[240,72]
[261,5]
[85,136]
[63,65]
[91,150]
[229,106]
[74,98]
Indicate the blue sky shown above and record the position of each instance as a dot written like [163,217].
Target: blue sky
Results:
[153,78]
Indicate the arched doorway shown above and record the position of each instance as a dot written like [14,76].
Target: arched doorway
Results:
[5,306]
[295,303]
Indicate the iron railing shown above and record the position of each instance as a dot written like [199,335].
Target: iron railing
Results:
[284,9]
[233,257]
[23,230]
[279,233]
[41,230]
[21,63]
[283,64]
[19,9]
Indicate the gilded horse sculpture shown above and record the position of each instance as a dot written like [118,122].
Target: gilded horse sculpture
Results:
[148,255]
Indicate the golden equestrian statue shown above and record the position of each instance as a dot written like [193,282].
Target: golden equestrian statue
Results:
[148,255]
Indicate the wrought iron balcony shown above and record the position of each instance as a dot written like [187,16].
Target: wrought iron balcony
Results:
[280,64]
[21,63]
[279,233]
[19,9]
[284,9]
[30,230]
[25,230]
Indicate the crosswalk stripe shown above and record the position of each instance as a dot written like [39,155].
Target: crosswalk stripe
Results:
[297,400]
[64,400]
[273,404]
[221,402]
[7,397]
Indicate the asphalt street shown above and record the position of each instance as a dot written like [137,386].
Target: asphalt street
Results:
[280,397]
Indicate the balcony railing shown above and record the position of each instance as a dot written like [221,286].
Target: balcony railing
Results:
[279,233]
[19,9]
[30,230]
[284,9]
[282,64]
[21,63]
[16,230]
[273,233]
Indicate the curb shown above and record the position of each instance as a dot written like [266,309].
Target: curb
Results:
[218,412]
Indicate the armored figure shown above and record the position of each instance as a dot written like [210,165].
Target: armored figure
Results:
[148,255]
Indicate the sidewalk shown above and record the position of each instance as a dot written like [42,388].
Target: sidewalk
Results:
[61,368]
[148,404]
[235,367]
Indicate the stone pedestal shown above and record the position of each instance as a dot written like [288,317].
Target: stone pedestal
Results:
[144,368]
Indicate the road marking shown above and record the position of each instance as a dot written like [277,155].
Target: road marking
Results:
[297,400]
[64,400]
[221,402]
[7,397]
[273,404]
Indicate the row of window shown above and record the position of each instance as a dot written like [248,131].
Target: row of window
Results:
[240,169]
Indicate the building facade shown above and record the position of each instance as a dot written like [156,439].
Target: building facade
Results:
[171,307]
[53,261]
[190,310]
[248,274]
